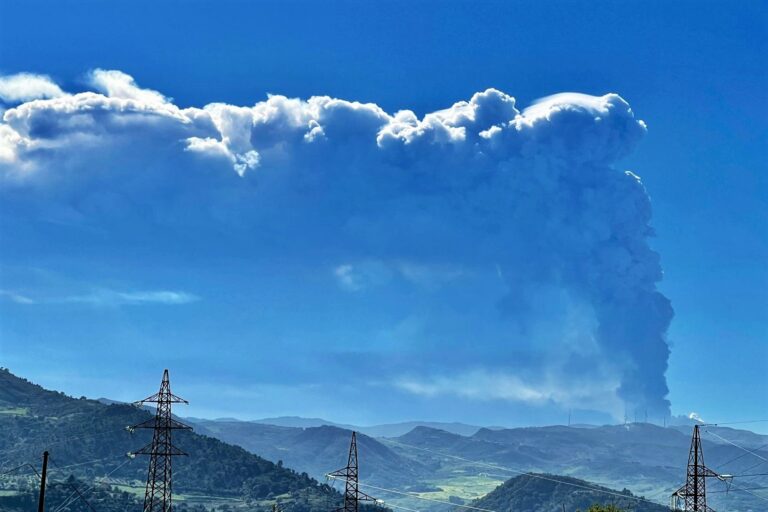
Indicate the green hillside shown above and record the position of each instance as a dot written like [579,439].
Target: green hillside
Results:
[552,493]
[89,440]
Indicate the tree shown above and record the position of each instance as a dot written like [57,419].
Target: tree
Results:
[605,508]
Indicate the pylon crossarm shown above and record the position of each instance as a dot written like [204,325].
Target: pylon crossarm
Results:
[167,451]
[150,423]
[174,450]
[176,399]
[152,399]
[161,397]
[706,472]
[339,473]
[361,496]
[146,450]
[165,424]
[177,425]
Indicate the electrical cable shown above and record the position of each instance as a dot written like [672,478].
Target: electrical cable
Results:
[737,446]
[31,445]
[749,492]
[738,489]
[735,422]
[740,456]
[89,489]
[17,467]
[74,488]
[59,468]
[414,495]
[387,504]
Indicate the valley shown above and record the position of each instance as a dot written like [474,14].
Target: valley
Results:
[253,465]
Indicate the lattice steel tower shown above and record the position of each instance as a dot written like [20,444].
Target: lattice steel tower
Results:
[352,493]
[157,497]
[693,494]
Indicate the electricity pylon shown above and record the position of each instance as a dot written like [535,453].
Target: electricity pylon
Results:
[352,493]
[693,494]
[157,497]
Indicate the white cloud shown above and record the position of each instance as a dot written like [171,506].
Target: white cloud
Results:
[27,86]
[372,273]
[429,274]
[16,297]
[105,297]
[362,275]
[531,195]
[117,84]
[579,127]
[347,278]
[11,143]
[480,384]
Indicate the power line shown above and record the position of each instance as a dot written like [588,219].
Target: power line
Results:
[95,483]
[753,466]
[36,443]
[392,505]
[740,456]
[75,489]
[158,493]
[735,422]
[414,495]
[26,464]
[739,489]
[737,446]
[352,494]
[693,494]
[60,468]
[750,492]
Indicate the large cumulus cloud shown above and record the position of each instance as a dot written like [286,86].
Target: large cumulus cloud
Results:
[529,197]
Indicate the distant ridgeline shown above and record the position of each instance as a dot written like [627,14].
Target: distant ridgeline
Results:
[88,440]
[647,459]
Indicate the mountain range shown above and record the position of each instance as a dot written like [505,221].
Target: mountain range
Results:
[382,430]
[241,465]
[647,459]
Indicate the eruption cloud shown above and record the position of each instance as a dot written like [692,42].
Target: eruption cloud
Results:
[531,198]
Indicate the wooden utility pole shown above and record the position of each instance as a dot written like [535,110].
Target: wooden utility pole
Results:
[41,501]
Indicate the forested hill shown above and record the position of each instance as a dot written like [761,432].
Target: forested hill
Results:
[554,493]
[318,450]
[90,440]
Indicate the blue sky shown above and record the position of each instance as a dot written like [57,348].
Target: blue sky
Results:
[116,263]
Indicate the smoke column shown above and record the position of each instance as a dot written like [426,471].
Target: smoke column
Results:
[533,196]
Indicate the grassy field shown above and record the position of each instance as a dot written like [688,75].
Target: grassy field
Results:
[457,488]
[466,487]
[14,411]
[191,499]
